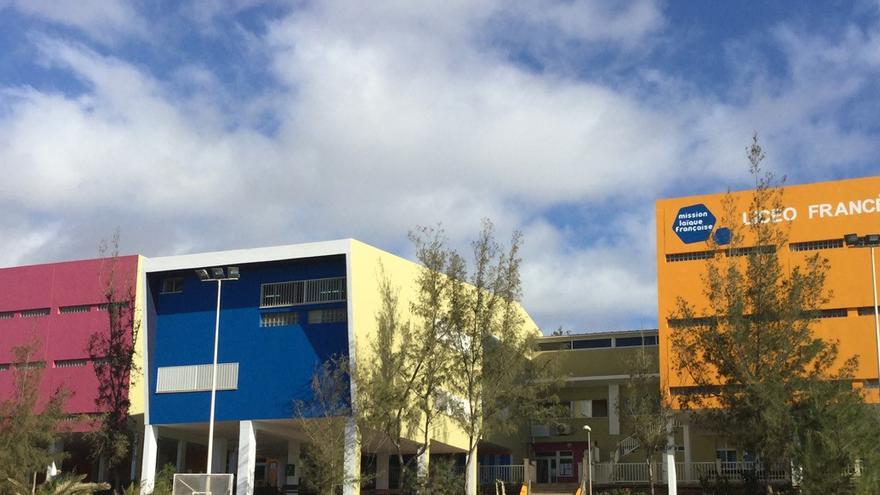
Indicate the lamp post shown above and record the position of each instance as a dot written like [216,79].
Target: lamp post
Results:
[589,470]
[870,241]
[219,275]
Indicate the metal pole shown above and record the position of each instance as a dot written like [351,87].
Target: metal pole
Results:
[590,461]
[876,311]
[214,380]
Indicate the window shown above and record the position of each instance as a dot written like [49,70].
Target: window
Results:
[70,363]
[334,315]
[866,311]
[635,341]
[750,250]
[591,343]
[816,245]
[555,346]
[196,378]
[302,292]
[4,367]
[64,310]
[279,319]
[698,255]
[832,313]
[172,285]
[689,322]
[7,315]
[566,461]
[600,408]
[31,366]
[33,313]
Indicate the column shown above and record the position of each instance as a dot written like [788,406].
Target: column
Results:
[686,433]
[424,463]
[352,459]
[293,451]
[471,473]
[102,468]
[135,452]
[382,467]
[247,458]
[613,409]
[180,465]
[218,458]
[669,460]
[151,450]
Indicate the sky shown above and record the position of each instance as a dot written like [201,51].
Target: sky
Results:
[198,126]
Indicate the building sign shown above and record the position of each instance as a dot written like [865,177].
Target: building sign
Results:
[693,223]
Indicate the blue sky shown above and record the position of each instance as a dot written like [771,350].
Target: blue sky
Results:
[229,124]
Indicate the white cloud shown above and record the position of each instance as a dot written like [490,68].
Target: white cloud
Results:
[101,20]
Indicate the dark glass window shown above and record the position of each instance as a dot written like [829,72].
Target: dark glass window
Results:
[600,408]
[591,344]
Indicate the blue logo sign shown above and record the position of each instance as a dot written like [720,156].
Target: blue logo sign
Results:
[723,236]
[693,223]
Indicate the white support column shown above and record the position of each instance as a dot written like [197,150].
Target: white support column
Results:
[686,433]
[148,466]
[293,452]
[613,409]
[471,473]
[669,460]
[424,463]
[180,465]
[383,464]
[218,458]
[247,458]
[352,459]
[135,454]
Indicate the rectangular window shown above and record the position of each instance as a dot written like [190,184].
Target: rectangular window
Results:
[70,363]
[745,251]
[31,366]
[832,313]
[591,343]
[866,311]
[600,408]
[7,315]
[581,409]
[279,319]
[64,310]
[335,315]
[816,245]
[555,346]
[102,307]
[172,285]
[4,367]
[33,313]
[697,255]
[302,292]
[635,341]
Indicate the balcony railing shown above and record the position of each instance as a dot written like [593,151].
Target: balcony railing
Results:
[685,472]
[507,473]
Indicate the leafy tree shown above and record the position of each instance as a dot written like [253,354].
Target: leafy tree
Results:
[112,352]
[759,371]
[323,420]
[396,386]
[492,382]
[28,427]
[645,409]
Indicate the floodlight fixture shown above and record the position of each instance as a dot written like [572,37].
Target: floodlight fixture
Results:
[232,273]
[202,274]
[851,239]
[217,273]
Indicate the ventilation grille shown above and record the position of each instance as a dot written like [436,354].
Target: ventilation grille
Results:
[196,378]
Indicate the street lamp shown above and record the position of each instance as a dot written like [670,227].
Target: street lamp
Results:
[869,241]
[589,457]
[217,274]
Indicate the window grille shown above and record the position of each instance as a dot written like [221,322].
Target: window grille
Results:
[746,251]
[31,365]
[196,378]
[7,315]
[102,307]
[688,322]
[334,315]
[172,285]
[74,309]
[70,363]
[4,367]
[302,292]
[32,313]
[832,313]
[279,319]
[697,255]
[816,245]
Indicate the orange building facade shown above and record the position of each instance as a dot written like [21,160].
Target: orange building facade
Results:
[816,216]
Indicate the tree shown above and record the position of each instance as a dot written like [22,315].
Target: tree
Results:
[492,381]
[645,409]
[112,352]
[757,367]
[323,419]
[398,383]
[28,427]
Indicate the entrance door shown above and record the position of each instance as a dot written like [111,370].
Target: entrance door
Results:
[547,469]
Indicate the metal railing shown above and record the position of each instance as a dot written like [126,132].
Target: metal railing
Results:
[488,474]
[686,472]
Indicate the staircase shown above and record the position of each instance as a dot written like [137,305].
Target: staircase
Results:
[626,447]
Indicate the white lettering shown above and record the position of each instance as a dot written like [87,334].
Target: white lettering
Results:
[841,209]
[855,207]
[789,214]
[812,210]
[868,206]
[824,209]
